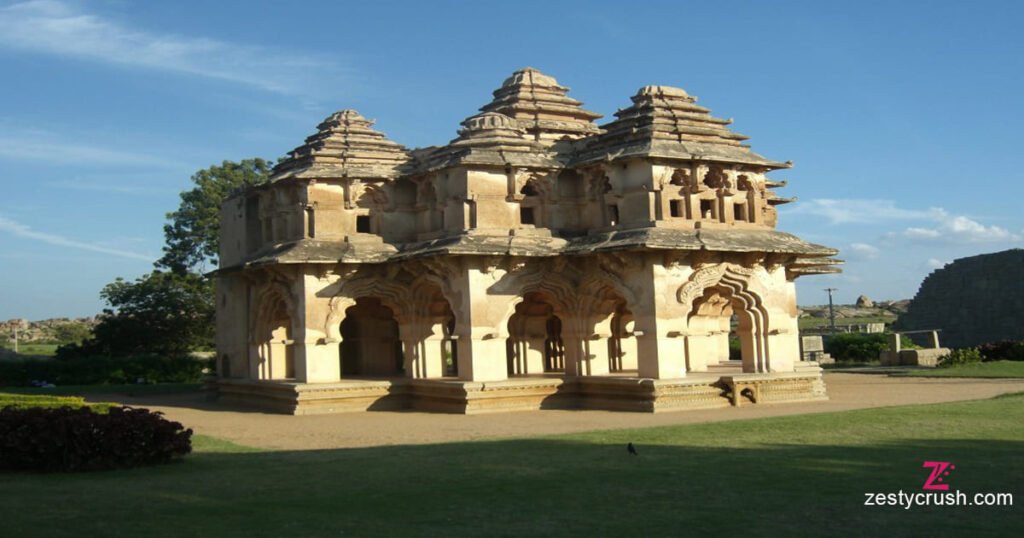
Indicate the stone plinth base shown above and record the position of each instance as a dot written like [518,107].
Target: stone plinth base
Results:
[612,393]
[318,398]
[913,357]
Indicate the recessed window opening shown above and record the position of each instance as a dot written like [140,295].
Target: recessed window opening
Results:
[740,212]
[707,209]
[363,224]
[613,215]
[526,215]
[675,208]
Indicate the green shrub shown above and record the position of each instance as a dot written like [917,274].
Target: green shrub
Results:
[861,347]
[1006,350]
[25,401]
[104,370]
[960,357]
[79,439]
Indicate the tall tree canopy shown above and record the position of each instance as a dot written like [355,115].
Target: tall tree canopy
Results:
[192,233]
[171,310]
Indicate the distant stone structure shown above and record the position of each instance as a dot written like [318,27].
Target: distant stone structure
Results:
[864,302]
[926,356]
[972,300]
[537,260]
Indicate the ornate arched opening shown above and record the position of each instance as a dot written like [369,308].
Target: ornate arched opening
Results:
[727,323]
[370,343]
[431,350]
[273,340]
[534,344]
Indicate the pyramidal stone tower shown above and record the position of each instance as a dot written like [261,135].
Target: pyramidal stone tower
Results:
[537,260]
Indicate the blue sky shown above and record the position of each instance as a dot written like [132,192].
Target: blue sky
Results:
[902,118]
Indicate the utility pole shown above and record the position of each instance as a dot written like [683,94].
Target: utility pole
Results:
[15,337]
[831,310]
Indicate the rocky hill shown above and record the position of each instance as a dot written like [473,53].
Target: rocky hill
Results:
[886,309]
[54,330]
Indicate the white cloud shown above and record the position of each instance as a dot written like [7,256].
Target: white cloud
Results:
[18,229]
[934,263]
[857,210]
[943,227]
[863,251]
[958,229]
[56,27]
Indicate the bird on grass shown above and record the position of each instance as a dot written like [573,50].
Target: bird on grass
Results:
[631,449]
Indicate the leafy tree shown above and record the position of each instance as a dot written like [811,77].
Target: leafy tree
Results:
[161,312]
[192,233]
[171,310]
[72,333]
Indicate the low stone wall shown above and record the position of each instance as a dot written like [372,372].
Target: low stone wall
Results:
[913,357]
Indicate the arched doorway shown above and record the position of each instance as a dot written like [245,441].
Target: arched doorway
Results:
[725,329]
[275,354]
[535,343]
[370,344]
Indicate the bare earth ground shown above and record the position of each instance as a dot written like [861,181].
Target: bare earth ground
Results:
[283,432]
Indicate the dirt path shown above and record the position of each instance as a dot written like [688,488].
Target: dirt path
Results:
[284,432]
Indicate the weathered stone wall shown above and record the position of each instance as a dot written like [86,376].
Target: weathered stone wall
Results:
[973,300]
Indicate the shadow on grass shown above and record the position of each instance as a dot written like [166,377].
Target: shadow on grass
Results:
[804,475]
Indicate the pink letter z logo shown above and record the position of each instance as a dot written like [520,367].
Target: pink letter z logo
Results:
[939,470]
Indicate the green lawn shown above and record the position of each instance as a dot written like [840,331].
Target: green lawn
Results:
[808,322]
[800,475]
[994,369]
[42,350]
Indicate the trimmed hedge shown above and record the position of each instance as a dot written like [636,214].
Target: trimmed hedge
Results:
[103,370]
[25,401]
[79,439]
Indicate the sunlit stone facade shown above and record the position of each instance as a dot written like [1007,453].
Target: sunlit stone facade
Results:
[537,260]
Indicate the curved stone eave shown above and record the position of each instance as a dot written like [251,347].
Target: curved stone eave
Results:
[676,152]
[362,174]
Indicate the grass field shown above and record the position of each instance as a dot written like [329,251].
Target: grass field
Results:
[808,322]
[994,369]
[797,475]
[42,350]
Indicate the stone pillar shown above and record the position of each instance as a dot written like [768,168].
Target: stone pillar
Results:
[423,345]
[935,340]
[659,320]
[661,357]
[627,350]
[317,361]
[317,358]
[894,342]
[482,358]
[480,318]
[596,348]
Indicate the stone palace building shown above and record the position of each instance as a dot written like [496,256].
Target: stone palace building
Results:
[538,260]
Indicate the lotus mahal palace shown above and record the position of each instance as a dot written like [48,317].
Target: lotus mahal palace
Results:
[538,260]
